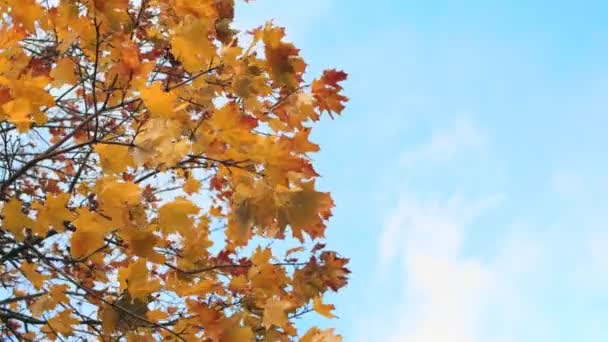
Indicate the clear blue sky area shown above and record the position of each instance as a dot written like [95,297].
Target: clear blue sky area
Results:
[470,168]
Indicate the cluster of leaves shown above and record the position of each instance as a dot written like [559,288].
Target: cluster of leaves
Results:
[148,160]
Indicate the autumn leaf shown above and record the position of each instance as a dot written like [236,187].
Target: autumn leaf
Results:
[305,209]
[326,91]
[302,144]
[191,45]
[14,220]
[134,279]
[36,278]
[53,212]
[274,313]
[62,323]
[91,228]
[316,335]
[176,215]
[159,102]
[114,158]
[191,186]
[64,72]
[26,14]
[323,309]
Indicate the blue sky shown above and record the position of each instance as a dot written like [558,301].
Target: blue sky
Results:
[470,167]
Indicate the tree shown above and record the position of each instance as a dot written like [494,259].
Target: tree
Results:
[155,177]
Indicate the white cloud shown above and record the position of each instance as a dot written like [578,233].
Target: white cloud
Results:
[520,290]
[462,135]
[444,291]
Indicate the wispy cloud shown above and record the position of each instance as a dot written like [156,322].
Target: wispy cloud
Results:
[461,136]
[443,291]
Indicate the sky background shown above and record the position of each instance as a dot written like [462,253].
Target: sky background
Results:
[470,167]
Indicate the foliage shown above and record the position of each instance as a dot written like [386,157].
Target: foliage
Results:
[150,156]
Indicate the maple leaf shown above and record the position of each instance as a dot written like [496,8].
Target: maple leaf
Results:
[282,58]
[191,186]
[52,213]
[142,243]
[301,142]
[35,277]
[326,91]
[335,273]
[158,101]
[235,332]
[64,72]
[316,335]
[61,323]
[323,309]
[114,158]
[27,13]
[191,45]
[304,210]
[274,313]
[91,228]
[134,279]
[176,215]
[14,220]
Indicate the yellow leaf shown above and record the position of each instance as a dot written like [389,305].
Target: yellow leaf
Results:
[48,302]
[114,158]
[53,213]
[26,13]
[57,292]
[196,241]
[14,220]
[134,279]
[191,45]
[201,288]
[91,228]
[282,58]
[304,210]
[116,198]
[42,304]
[36,278]
[274,313]
[142,243]
[191,186]
[159,102]
[64,72]
[156,315]
[19,113]
[235,332]
[323,309]
[109,319]
[302,144]
[62,323]
[176,215]
[314,334]
[238,283]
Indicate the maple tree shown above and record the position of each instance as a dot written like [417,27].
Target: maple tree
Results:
[155,178]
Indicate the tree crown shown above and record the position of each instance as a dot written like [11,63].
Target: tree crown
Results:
[150,156]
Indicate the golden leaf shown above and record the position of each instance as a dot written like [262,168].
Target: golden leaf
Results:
[274,313]
[176,215]
[14,220]
[323,309]
[134,279]
[34,276]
